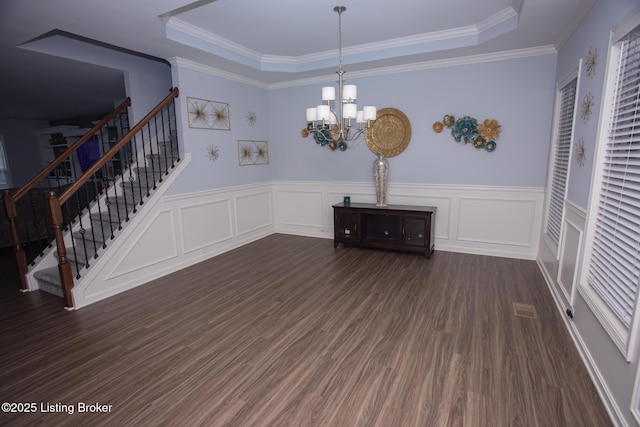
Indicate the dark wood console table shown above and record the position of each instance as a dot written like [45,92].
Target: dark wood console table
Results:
[395,227]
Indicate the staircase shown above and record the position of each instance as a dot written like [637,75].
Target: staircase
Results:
[89,242]
[89,214]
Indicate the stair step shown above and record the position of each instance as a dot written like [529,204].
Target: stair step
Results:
[97,218]
[49,280]
[149,171]
[160,156]
[79,257]
[121,205]
[90,236]
[168,143]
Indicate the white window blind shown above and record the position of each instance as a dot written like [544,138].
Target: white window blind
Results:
[562,153]
[5,182]
[614,266]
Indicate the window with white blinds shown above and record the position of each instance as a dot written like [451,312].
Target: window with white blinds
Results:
[561,154]
[5,181]
[614,264]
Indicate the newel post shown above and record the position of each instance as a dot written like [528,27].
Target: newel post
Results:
[21,258]
[64,267]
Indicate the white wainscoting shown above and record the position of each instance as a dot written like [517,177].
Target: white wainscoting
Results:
[561,269]
[561,266]
[498,221]
[175,232]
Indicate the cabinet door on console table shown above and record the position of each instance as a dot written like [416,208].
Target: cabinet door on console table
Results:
[345,226]
[395,227]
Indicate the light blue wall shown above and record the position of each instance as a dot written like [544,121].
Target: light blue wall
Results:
[147,89]
[22,144]
[202,173]
[518,93]
[592,33]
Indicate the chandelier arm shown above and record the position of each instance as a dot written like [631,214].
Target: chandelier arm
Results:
[340,120]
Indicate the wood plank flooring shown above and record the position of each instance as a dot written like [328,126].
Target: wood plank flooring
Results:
[288,331]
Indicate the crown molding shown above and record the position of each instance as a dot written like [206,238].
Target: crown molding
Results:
[205,69]
[190,35]
[427,65]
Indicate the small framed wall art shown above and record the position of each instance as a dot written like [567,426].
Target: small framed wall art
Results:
[206,114]
[253,152]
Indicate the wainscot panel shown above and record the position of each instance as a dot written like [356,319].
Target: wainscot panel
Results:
[561,266]
[499,221]
[568,268]
[179,231]
[253,212]
[300,210]
[151,247]
[205,224]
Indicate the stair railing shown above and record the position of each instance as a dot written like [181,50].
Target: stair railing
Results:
[151,150]
[28,216]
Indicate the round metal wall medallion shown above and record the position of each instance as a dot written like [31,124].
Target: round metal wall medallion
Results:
[390,133]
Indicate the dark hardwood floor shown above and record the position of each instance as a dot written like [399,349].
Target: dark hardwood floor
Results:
[288,331]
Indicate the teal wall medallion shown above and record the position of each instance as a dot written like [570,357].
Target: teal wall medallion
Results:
[466,129]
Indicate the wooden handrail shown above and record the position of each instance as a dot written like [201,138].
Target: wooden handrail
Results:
[47,170]
[174,93]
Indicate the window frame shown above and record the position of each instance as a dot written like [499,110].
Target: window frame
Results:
[567,79]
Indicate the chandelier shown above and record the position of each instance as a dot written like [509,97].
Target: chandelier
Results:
[336,129]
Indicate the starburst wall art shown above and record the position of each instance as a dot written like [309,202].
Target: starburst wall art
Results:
[206,114]
[253,152]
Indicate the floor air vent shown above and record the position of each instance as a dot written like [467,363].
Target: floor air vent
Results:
[524,310]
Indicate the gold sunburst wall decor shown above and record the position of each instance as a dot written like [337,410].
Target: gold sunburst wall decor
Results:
[591,61]
[213,153]
[580,152]
[587,107]
[253,152]
[252,118]
[207,114]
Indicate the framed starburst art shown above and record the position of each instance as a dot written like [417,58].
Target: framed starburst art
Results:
[206,114]
[253,153]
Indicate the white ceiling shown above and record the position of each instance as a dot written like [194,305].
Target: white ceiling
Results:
[271,42]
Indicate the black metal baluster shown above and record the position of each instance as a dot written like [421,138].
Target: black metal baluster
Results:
[144,156]
[83,232]
[155,158]
[137,168]
[131,182]
[75,256]
[164,142]
[174,131]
